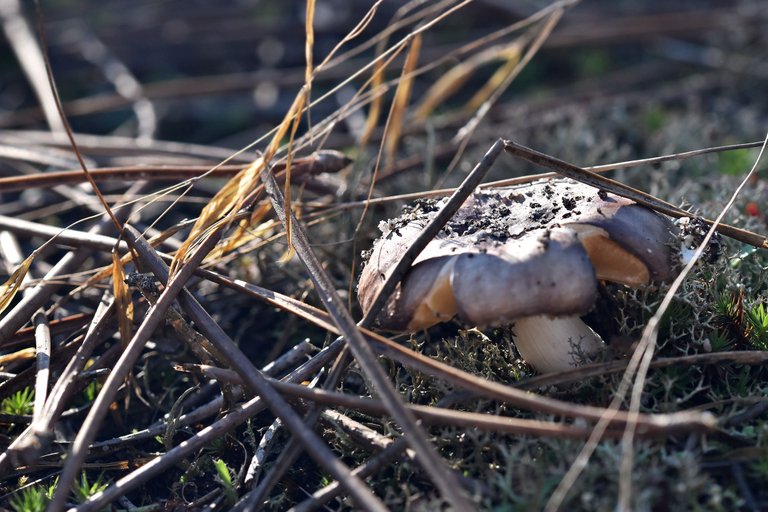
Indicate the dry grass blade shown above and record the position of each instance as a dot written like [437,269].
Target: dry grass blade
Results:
[226,201]
[510,57]
[302,102]
[396,114]
[239,191]
[390,53]
[24,354]
[452,80]
[374,109]
[506,77]
[401,100]
[9,288]
[123,303]
[31,57]
[246,231]
[63,117]
[304,97]
[309,44]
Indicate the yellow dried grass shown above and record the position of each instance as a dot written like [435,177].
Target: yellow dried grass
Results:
[402,98]
[123,303]
[9,288]
[458,75]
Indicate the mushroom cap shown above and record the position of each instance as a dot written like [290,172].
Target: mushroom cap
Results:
[517,251]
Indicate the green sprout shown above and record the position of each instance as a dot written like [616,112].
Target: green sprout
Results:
[19,403]
[34,498]
[757,321]
[225,477]
[31,499]
[91,390]
[84,489]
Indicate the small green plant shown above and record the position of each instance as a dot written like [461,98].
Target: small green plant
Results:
[19,403]
[91,390]
[729,320]
[34,498]
[654,118]
[31,499]
[84,489]
[225,477]
[760,468]
[757,320]
[720,342]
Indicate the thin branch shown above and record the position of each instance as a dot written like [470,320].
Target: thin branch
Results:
[90,427]
[544,175]
[43,356]
[35,297]
[254,379]
[429,366]
[31,58]
[748,357]
[590,178]
[444,479]
[236,416]
[63,117]
[28,446]
[647,344]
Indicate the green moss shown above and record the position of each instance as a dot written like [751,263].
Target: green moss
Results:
[736,162]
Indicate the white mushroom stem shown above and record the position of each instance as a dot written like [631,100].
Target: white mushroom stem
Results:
[553,344]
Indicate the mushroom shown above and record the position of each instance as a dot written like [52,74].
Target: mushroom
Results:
[531,254]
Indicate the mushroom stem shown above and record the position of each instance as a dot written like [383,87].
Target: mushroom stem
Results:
[553,344]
